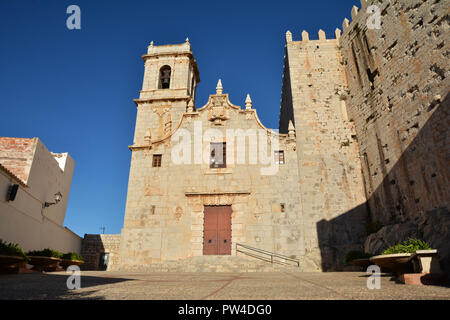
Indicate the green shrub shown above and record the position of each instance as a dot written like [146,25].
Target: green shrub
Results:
[372,227]
[354,254]
[408,246]
[11,249]
[72,256]
[45,253]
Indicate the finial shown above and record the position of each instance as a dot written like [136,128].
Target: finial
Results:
[305,36]
[187,39]
[219,88]
[190,106]
[288,36]
[248,102]
[354,12]
[151,44]
[345,24]
[337,32]
[322,35]
[291,129]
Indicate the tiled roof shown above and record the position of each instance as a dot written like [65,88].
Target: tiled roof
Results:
[12,175]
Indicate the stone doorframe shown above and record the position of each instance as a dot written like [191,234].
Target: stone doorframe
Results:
[239,207]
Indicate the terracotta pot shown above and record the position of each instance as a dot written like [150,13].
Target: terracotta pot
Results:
[47,264]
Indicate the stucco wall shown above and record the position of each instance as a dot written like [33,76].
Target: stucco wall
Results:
[24,221]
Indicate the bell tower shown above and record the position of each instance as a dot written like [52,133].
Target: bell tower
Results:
[170,81]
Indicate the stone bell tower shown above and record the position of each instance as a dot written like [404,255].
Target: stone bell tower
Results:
[170,80]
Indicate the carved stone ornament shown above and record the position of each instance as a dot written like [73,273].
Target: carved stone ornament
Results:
[218,111]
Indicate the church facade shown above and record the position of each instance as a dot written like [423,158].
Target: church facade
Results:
[207,179]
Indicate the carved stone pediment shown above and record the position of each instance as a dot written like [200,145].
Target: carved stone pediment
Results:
[218,111]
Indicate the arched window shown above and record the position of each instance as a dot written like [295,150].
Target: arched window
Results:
[164,78]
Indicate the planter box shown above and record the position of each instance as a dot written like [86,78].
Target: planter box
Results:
[66,263]
[47,264]
[426,261]
[10,264]
[397,263]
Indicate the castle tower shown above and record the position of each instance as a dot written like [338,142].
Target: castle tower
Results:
[331,186]
[170,80]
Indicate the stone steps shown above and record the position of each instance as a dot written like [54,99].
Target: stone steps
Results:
[213,264]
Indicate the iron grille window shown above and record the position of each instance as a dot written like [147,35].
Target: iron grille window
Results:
[279,157]
[157,160]
[218,155]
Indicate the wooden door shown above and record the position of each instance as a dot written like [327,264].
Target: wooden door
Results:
[217,230]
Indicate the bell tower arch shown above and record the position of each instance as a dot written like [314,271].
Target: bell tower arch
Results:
[170,81]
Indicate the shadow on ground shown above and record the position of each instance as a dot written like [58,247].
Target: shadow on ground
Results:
[50,286]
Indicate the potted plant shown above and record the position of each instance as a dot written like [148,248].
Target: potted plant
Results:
[71,258]
[11,257]
[357,258]
[397,258]
[45,260]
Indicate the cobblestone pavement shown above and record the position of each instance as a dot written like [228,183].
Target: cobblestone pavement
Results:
[220,286]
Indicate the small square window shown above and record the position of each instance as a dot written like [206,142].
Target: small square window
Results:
[157,160]
[279,157]
[218,155]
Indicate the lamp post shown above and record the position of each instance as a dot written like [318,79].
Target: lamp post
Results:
[58,197]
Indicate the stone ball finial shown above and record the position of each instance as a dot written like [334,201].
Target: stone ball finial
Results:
[219,88]
[248,102]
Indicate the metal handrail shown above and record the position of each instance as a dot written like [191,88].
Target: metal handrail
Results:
[271,254]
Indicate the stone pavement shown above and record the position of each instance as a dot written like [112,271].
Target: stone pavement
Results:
[216,286]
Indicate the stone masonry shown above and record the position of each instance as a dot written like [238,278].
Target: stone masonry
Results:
[95,245]
[313,98]
[398,82]
[364,134]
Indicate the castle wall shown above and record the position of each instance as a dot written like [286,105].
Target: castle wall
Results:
[329,169]
[398,82]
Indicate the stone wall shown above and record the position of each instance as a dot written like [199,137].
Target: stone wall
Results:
[331,185]
[398,82]
[95,245]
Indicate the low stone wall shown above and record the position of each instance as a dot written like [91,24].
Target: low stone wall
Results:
[95,245]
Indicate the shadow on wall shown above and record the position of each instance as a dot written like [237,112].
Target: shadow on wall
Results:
[48,286]
[412,200]
[93,251]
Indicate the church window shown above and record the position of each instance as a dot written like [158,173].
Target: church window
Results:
[164,77]
[157,160]
[218,155]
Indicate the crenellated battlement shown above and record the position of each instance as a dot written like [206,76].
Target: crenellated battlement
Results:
[355,14]
[305,36]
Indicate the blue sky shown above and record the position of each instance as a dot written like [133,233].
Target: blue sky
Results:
[74,89]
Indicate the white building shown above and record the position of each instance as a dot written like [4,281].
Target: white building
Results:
[34,192]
